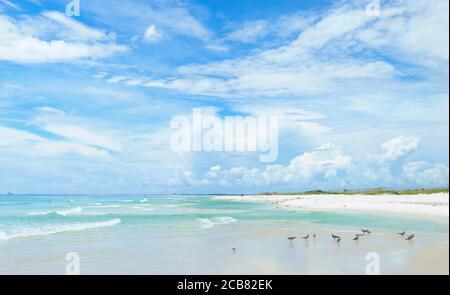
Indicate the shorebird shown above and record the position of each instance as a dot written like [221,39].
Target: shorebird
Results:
[358,235]
[234,250]
[291,239]
[305,237]
[338,240]
[356,238]
[366,231]
[335,236]
[402,233]
[410,237]
[314,236]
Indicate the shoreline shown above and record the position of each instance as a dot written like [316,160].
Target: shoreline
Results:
[425,206]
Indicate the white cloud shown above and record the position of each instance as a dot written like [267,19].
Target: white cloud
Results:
[182,177]
[152,34]
[425,174]
[313,128]
[60,148]
[46,109]
[75,129]
[8,4]
[24,143]
[281,27]
[83,135]
[52,38]
[398,147]
[338,51]
[10,137]
[249,32]
[171,17]
[307,167]
[326,166]
[180,20]
[115,79]
[218,47]
[68,28]
[414,30]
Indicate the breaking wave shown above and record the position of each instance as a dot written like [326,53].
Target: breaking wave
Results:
[207,223]
[54,229]
[64,212]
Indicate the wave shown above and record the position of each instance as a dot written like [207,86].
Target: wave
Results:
[105,206]
[63,212]
[49,230]
[207,223]
[69,211]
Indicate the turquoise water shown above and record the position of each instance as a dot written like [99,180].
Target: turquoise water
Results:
[31,216]
[195,234]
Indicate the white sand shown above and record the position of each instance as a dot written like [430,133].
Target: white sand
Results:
[433,206]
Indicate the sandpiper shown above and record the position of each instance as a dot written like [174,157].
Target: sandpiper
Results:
[410,237]
[291,239]
[335,236]
[234,250]
[402,233]
[305,237]
[356,238]
[366,231]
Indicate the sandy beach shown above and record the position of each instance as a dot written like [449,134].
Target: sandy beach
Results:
[429,206]
[432,259]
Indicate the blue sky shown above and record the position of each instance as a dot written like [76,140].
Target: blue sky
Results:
[86,101]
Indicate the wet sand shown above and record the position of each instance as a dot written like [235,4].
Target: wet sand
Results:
[431,261]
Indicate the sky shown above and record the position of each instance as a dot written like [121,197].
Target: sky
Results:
[86,101]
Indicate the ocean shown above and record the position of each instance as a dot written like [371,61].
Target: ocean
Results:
[187,234]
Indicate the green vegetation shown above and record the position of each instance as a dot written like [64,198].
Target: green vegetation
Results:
[379,191]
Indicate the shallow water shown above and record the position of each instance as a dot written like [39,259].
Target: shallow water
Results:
[194,235]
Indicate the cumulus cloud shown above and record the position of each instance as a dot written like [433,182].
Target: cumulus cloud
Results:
[423,173]
[152,34]
[398,147]
[327,166]
[322,164]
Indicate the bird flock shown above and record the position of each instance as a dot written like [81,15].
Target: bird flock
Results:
[338,239]
[357,236]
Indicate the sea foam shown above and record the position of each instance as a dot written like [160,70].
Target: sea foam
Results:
[63,212]
[54,229]
[207,223]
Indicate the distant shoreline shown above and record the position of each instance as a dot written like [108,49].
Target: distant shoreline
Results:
[381,191]
[313,192]
[433,206]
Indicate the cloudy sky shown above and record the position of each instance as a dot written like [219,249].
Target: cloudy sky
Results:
[86,101]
